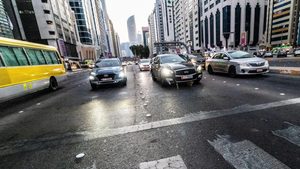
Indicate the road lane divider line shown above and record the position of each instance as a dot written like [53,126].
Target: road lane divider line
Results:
[75,137]
[171,162]
[245,154]
[291,134]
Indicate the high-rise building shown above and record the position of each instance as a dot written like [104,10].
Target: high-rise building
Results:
[145,36]
[139,39]
[126,52]
[298,35]
[168,19]
[152,32]
[49,22]
[131,27]
[5,23]
[118,45]
[282,22]
[183,20]
[233,23]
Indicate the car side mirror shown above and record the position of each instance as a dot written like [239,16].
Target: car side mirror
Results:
[226,58]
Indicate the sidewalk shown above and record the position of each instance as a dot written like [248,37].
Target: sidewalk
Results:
[70,73]
[285,70]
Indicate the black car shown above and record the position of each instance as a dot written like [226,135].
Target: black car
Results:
[107,71]
[172,69]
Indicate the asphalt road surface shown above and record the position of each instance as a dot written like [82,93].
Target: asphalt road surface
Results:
[221,123]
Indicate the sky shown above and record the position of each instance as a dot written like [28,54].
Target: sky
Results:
[120,10]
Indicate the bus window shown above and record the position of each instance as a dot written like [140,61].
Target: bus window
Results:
[8,56]
[21,57]
[40,57]
[33,59]
[1,62]
[48,57]
[54,57]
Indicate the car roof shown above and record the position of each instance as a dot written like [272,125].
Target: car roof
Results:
[164,55]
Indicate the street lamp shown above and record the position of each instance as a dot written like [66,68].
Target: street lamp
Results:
[227,33]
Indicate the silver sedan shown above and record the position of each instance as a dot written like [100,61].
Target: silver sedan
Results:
[236,63]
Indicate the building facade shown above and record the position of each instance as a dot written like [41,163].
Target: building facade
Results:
[152,33]
[233,23]
[131,27]
[47,22]
[282,22]
[6,26]
[298,35]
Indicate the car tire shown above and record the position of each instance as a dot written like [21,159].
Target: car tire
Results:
[232,71]
[94,87]
[197,81]
[163,82]
[210,70]
[53,85]
[153,77]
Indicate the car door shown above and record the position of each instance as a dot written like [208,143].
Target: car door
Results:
[215,62]
[223,64]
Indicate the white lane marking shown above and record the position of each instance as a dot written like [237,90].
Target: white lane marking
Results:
[174,162]
[75,137]
[224,82]
[38,104]
[291,134]
[213,79]
[282,94]
[237,84]
[245,154]
[20,112]
[256,88]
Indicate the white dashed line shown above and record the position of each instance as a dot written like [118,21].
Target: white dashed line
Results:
[282,94]
[291,134]
[237,84]
[174,162]
[256,88]
[38,104]
[245,154]
[20,112]
[213,79]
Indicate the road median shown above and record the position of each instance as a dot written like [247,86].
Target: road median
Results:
[285,70]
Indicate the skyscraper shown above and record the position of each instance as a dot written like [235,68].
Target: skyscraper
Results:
[145,36]
[5,24]
[131,27]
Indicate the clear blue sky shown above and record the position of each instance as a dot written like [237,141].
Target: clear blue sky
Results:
[120,10]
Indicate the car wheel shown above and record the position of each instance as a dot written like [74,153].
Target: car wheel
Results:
[153,77]
[94,87]
[210,70]
[163,82]
[53,85]
[232,71]
[197,81]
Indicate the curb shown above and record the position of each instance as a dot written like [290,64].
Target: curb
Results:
[286,71]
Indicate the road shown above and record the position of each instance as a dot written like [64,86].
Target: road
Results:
[221,123]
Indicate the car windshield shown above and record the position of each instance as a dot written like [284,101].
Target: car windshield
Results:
[240,55]
[108,63]
[171,59]
[145,61]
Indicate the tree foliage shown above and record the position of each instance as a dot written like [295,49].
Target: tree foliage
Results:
[140,51]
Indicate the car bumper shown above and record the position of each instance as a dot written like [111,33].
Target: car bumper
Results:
[252,70]
[145,68]
[178,79]
[105,82]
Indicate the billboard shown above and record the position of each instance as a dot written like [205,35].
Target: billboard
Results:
[243,39]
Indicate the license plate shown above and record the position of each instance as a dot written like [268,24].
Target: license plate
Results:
[259,70]
[186,77]
[106,79]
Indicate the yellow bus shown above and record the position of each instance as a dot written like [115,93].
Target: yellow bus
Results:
[28,67]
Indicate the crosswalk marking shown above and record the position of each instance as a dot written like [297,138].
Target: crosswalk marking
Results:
[174,162]
[291,134]
[245,154]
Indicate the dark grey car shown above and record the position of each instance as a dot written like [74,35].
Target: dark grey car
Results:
[107,71]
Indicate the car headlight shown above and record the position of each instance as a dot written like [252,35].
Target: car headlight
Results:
[166,72]
[199,69]
[244,65]
[122,74]
[92,77]
[267,63]
[93,74]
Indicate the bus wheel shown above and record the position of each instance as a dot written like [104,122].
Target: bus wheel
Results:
[53,84]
